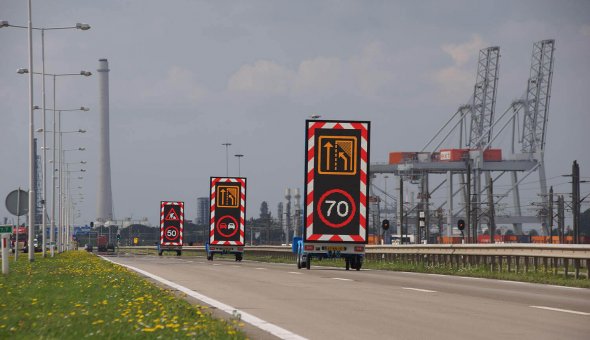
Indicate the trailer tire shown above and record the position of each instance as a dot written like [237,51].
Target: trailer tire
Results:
[308,263]
[160,253]
[347,261]
[238,257]
[298,261]
[178,252]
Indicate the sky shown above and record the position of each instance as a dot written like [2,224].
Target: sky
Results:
[188,76]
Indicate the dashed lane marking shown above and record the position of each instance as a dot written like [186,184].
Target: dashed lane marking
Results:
[420,290]
[561,310]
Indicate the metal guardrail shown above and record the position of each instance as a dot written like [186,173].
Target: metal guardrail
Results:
[510,256]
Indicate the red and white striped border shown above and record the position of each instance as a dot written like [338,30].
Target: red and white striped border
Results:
[311,127]
[162,205]
[214,181]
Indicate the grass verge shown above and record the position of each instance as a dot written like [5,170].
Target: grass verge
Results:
[77,295]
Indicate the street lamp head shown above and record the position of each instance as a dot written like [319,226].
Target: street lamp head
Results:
[83,170]
[81,149]
[315,116]
[36,107]
[83,27]
[83,108]
[83,162]
[39,130]
[85,73]
[22,70]
[81,130]
[4,23]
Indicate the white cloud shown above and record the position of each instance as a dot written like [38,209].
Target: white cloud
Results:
[462,53]
[455,80]
[263,77]
[585,30]
[179,84]
[368,73]
[319,76]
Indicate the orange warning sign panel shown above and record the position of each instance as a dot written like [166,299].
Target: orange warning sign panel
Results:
[337,155]
[228,196]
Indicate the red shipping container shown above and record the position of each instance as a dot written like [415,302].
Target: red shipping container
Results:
[453,155]
[492,155]
[400,157]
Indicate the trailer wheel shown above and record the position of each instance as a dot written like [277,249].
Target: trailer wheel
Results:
[308,262]
[178,252]
[160,252]
[347,261]
[210,257]
[359,263]
[298,261]
[239,257]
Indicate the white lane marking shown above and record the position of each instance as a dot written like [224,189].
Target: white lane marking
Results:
[420,290]
[341,279]
[217,264]
[260,268]
[295,273]
[246,317]
[561,310]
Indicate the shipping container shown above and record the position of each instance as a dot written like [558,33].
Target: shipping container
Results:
[453,155]
[401,157]
[492,155]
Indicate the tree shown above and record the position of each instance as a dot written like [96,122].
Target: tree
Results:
[264,213]
[533,232]
[509,232]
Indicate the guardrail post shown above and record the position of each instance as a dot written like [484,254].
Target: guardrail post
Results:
[517,260]
[500,260]
[554,265]
[565,266]
[577,265]
[587,269]
[535,263]
[509,263]
[545,264]
[526,264]
[493,260]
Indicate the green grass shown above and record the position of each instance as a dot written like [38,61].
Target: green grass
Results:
[77,295]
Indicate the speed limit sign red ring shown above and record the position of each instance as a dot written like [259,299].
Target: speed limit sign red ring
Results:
[336,208]
[171,233]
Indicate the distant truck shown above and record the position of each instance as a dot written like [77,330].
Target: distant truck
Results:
[171,227]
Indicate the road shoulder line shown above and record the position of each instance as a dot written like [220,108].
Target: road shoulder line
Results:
[246,317]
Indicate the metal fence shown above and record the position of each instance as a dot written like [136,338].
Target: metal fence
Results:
[515,257]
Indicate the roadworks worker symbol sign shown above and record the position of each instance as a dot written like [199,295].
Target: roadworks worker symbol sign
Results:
[172,215]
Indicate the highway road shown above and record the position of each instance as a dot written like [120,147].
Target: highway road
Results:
[331,303]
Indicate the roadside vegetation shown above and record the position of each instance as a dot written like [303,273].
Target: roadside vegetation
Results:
[77,295]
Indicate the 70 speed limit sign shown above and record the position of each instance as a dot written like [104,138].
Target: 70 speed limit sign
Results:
[336,203]
[171,223]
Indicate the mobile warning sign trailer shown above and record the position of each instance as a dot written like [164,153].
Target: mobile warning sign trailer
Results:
[171,227]
[228,216]
[336,199]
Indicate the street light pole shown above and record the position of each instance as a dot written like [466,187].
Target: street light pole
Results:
[227,144]
[239,156]
[30,28]
[31,144]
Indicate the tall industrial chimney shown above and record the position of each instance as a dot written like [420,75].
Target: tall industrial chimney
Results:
[105,195]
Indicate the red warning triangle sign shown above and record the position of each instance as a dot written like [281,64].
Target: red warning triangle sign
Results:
[172,215]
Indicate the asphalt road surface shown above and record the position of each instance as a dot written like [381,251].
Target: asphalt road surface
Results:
[331,303]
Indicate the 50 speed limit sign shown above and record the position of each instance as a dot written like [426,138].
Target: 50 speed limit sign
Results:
[171,223]
[336,200]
